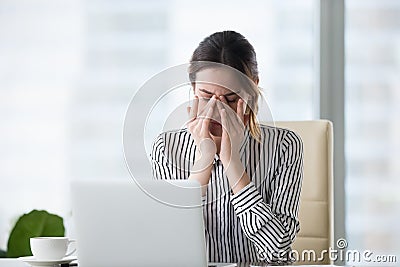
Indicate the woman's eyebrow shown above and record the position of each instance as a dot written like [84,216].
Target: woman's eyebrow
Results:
[207,92]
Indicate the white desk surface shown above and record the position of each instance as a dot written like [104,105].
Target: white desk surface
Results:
[18,263]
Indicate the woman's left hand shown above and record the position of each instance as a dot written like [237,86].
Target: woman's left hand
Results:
[232,131]
[233,126]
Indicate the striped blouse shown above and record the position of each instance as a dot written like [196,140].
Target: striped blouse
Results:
[258,223]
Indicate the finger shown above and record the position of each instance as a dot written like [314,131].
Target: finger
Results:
[229,112]
[195,108]
[211,102]
[224,104]
[194,127]
[225,123]
[223,117]
[240,109]
[219,105]
[192,122]
[232,119]
[207,119]
[205,105]
[188,109]
[223,100]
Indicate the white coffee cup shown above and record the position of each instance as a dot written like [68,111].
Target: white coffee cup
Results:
[50,248]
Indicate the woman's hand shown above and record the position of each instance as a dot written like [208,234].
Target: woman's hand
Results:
[198,126]
[232,136]
[232,130]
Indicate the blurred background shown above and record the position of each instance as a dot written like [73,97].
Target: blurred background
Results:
[68,69]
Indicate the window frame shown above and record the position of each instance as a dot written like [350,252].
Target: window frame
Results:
[331,84]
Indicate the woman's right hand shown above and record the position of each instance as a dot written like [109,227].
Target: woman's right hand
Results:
[198,125]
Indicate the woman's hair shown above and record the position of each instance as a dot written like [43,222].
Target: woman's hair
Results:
[232,49]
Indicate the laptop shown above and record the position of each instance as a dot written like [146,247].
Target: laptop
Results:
[138,223]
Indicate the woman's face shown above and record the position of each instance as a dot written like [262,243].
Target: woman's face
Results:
[205,91]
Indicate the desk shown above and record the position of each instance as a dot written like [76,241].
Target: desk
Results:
[247,264]
[18,263]
[7,262]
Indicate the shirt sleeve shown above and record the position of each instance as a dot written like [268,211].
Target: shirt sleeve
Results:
[159,162]
[272,227]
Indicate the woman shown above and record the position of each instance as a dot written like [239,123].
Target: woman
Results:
[251,173]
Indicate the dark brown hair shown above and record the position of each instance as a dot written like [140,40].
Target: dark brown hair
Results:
[232,49]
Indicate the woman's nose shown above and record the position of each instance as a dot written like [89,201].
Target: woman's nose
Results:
[218,97]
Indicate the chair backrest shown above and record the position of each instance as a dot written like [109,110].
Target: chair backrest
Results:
[316,200]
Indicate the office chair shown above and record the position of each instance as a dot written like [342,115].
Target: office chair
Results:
[316,200]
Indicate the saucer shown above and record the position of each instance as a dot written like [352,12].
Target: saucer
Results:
[34,262]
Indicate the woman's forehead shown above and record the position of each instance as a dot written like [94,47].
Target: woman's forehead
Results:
[224,77]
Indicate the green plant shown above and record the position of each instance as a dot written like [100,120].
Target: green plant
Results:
[34,224]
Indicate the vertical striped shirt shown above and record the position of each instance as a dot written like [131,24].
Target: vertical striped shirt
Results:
[258,223]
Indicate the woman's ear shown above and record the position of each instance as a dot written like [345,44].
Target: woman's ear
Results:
[256,81]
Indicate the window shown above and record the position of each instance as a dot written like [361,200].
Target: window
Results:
[70,68]
[373,125]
